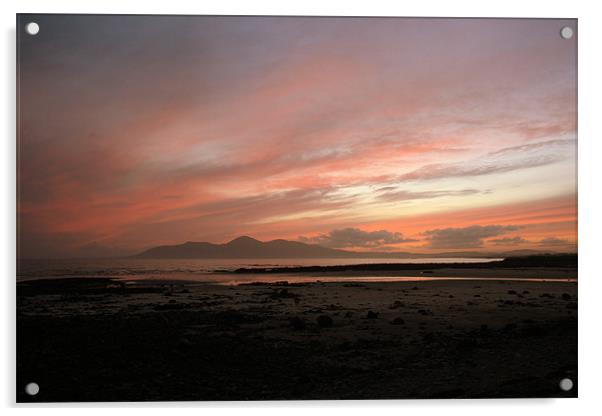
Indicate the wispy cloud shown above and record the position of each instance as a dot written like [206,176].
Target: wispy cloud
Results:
[554,241]
[393,194]
[507,241]
[354,237]
[501,161]
[466,237]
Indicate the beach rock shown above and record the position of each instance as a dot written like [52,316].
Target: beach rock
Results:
[229,318]
[371,315]
[566,296]
[546,295]
[397,304]
[170,306]
[297,323]
[429,337]
[324,321]
[283,294]
[398,321]
[425,312]
[533,331]
[510,327]
[466,345]
[168,291]
[184,342]
[512,292]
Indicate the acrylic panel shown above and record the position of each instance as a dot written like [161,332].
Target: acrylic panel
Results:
[295,208]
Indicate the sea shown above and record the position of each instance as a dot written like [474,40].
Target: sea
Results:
[201,270]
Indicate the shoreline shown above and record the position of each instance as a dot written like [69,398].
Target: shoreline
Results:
[563,262]
[554,274]
[237,279]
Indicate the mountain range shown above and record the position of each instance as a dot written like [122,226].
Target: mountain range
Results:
[247,247]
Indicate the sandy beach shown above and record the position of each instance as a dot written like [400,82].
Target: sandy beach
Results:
[181,340]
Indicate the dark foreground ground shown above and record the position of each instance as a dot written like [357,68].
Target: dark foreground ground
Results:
[95,340]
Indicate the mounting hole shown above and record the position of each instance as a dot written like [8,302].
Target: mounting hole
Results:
[32,28]
[566,32]
[566,384]
[32,389]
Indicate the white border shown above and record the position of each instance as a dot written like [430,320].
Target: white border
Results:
[590,209]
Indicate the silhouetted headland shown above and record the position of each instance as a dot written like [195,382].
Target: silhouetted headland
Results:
[568,261]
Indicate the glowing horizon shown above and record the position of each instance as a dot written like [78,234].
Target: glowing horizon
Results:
[417,134]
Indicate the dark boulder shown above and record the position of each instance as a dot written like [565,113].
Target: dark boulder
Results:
[324,321]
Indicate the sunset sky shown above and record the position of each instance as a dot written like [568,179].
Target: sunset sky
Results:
[420,135]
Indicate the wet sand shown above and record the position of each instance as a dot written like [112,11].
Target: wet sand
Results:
[108,340]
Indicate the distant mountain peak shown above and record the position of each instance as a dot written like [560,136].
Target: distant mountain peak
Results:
[249,247]
[244,239]
[243,247]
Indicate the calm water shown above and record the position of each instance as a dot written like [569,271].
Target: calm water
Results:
[300,278]
[190,269]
